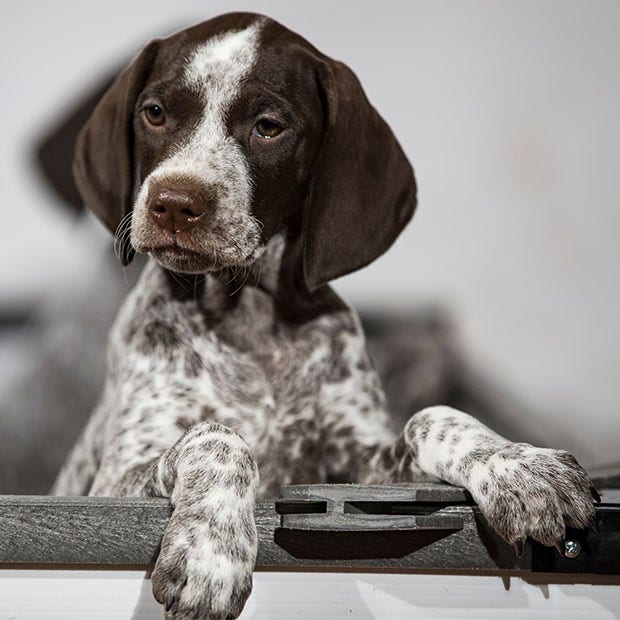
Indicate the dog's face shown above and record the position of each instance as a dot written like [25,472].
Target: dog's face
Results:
[219,136]
[224,135]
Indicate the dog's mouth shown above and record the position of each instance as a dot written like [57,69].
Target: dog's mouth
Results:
[184,260]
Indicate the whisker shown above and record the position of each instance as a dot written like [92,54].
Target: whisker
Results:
[235,272]
[245,279]
[123,224]
[122,236]
[180,282]
[124,272]
[260,273]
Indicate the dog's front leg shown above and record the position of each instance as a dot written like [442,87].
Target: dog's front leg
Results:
[208,551]
[521,490]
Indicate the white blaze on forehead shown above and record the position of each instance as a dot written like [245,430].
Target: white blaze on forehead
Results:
[218,67]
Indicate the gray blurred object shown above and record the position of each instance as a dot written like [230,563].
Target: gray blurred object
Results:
[57,361]
[421,363]
[55,350]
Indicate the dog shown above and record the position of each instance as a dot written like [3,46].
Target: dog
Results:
[252,169]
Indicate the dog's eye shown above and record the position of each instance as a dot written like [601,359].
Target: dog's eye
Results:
[155,115]
[266,129]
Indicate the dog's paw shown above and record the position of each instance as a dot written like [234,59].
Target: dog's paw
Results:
[526,491]
[204,569]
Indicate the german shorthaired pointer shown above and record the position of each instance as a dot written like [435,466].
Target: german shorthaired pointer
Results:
[253,170]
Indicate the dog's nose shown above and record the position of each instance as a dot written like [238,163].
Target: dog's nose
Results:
[178,209]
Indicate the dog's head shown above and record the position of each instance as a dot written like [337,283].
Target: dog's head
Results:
[218,137]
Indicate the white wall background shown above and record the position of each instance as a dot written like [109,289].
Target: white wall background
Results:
[509,112]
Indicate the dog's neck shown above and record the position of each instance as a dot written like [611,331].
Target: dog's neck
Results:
[277,273]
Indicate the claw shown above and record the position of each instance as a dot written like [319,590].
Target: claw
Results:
[595,496]
[519,546]
[560,547]
[170,602]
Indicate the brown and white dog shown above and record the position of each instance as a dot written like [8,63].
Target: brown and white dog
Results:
[253,170]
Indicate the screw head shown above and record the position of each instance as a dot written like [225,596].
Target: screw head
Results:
[572,548]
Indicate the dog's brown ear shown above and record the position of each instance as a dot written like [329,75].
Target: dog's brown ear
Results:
[362,192]
[103,160]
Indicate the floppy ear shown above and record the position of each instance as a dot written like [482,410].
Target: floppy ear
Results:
[362,191]
[103,159]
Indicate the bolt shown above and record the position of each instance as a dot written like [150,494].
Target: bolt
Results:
[572,548]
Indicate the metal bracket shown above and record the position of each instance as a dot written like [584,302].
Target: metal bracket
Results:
[356,508]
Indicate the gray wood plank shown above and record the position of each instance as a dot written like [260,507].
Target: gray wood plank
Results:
[127,531]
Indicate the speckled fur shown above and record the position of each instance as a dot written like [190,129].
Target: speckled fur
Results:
[217,395]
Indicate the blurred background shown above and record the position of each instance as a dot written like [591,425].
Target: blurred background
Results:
[503,294]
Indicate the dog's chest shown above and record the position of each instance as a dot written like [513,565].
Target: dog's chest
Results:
[243,368]
[255,352]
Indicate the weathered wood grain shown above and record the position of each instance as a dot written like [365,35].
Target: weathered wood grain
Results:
[414,527]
